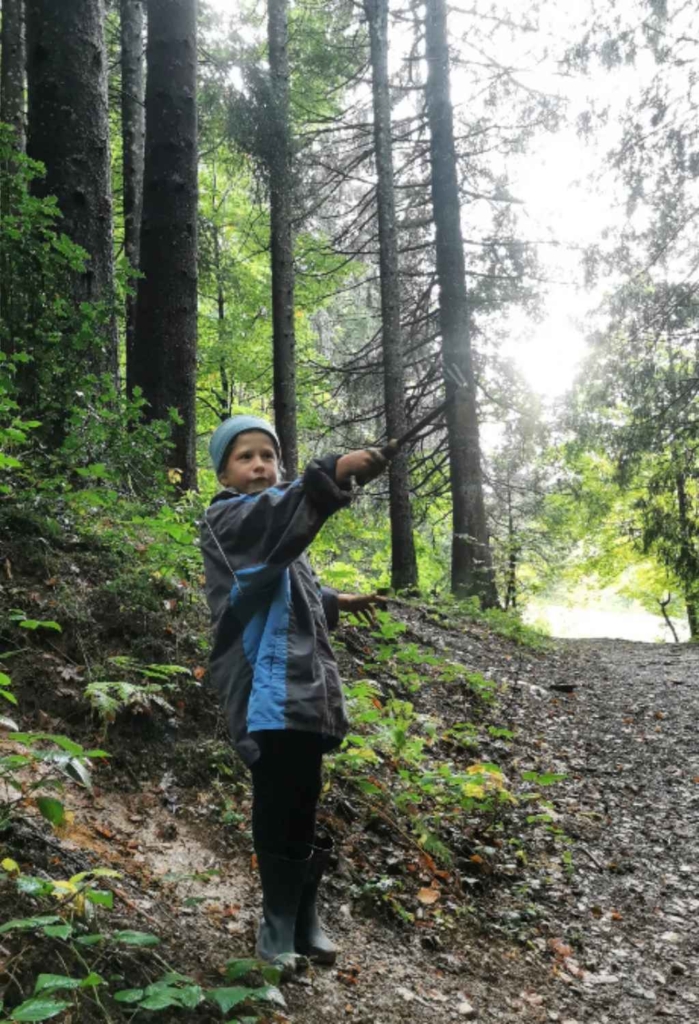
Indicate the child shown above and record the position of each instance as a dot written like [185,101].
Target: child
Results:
[272,662]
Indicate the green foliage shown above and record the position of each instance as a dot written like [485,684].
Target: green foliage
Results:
[45,334]
[109,698]
[35,762]
[77,897]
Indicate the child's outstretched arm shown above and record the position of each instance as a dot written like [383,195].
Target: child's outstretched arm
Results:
[255,536]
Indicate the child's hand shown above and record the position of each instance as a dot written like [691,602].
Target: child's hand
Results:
[362,605]
[365,465]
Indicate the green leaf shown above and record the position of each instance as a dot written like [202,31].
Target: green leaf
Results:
[102,897]
[39,624]
[160,1000]
[131,938]
[38,1009]
[239,968]
[58,931]
[129,995]
[90,940]
[51,982]
[78,772]
[92,980]
[26,923]
[190,996]
[272,975]
[270,994]
[33,886]
[51,809]
[227,998]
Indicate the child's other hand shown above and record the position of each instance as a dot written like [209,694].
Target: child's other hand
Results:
[362,605]
[365,465]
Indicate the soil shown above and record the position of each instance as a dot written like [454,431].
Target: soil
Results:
[592,922]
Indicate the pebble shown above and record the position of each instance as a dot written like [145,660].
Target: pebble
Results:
[466,1010]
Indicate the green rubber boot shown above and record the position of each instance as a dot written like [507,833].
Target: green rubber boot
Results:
[311,939]
[283,880]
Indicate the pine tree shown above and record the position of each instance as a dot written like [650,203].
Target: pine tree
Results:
[133,124]
[12,68]
[164,353]
[403,559]
[68,130]
[278,159]
[471,560]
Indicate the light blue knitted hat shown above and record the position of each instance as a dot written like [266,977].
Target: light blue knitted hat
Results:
[228,431]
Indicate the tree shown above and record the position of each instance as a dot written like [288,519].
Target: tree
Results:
[472,573]
[278,160]
[133,123]
[637,403]
[403,560]
[69,133]
[12,68]
[164,353]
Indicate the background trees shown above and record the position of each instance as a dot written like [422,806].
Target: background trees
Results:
[325,214]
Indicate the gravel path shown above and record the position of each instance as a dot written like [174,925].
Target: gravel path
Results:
[629,738]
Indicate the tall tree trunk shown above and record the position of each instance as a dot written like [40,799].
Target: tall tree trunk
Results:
[12,69]
[471,571]
[69,133]
[133,128]
[512,555]
[282,246]
[164,355]
[13,58]
[403,559]
[690,569]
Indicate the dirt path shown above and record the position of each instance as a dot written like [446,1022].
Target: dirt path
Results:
[629,737]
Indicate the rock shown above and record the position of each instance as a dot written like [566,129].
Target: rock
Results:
[466,1010]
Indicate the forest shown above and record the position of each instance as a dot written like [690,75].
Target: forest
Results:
[359,219]
[314,230]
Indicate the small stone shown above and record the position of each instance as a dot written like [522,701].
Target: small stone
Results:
[466,1010]
[678,969]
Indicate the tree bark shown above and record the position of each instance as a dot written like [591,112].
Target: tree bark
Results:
[282,256]
[403,559]
[12,69]
[690,569]
[472,573]
[164,356]
[133,128]
[69,133]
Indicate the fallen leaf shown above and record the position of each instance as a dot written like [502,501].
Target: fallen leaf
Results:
[428,896]
[559,948]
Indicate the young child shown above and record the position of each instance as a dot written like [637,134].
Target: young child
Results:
[272,662]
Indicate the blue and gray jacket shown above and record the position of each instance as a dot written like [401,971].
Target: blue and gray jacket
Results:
[271,661]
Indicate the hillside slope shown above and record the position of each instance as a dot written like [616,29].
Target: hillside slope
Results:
[548,874]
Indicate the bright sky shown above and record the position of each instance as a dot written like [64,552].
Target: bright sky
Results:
[553,182]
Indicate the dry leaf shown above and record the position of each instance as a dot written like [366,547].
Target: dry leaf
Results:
[428,896]
[559,948]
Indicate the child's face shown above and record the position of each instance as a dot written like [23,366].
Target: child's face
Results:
[252,464]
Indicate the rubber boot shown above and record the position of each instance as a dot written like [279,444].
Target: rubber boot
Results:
[311,939]
[283,881]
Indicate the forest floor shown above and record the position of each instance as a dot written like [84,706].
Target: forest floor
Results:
[593,922]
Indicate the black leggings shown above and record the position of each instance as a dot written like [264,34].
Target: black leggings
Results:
[286,782]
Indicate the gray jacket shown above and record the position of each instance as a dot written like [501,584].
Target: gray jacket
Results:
[271,661]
